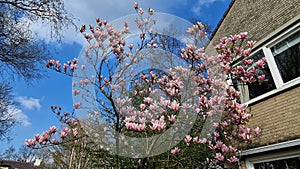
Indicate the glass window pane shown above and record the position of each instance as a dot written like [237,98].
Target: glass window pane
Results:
[291,163]
[257,89]
[287,57]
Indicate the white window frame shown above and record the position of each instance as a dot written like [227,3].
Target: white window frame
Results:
[257,155]
[276,156]
[266,48]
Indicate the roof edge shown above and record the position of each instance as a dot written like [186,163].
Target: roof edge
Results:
[221,20]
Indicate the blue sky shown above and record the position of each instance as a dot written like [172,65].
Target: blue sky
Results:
[35,100]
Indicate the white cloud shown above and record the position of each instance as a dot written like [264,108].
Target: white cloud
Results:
[29,102]
[200,4]
[19,116]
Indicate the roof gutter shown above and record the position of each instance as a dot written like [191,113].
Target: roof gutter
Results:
[271,147]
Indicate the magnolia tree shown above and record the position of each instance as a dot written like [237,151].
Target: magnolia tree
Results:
[141,105]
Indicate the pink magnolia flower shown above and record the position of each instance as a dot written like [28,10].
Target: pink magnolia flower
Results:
[75,92]
[65,67]
[196,140]
[147,100]
[37,137]
[75,60]
[73,67]
[130,46]
[136,5]
[129,125]
[233,38]
[75,132]
[120,102]
[225,123]
[219,157]
[245,116]
[261,78]
[30,142]
[224,40]
[174,105]
[175,150]
[204,140]
[219,46]
[261,63]
[155,124]
[53,141]
[190,30]
[64,132]
[232,149]
[105,22]
[172,118]
[238,50]
[188,139]
[158,125]
[142,106]
[44,138]
[257,131]
[142,119]
[248,62]
[219,144]
[225,149]
[245,136]
[52,129]
[143,76]
[216,134]
[243,35]
[246,52]
[251,43]
[233,159]
[172,91]
[141,127]
[141,11]
[77,105]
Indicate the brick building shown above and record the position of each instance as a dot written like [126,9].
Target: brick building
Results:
[275,104]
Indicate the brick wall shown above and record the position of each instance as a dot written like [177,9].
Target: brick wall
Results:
[278,116]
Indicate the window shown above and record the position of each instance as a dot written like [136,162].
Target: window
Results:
[283,66]
[291,163]
[287,57]
[283,155]
[257,89]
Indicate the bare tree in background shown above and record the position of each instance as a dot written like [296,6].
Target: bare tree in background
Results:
[22,55]
[6,111]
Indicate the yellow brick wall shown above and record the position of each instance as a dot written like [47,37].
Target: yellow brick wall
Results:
[278,116]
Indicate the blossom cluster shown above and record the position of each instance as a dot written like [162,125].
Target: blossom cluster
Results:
[67,68]
[54,135]
[231,50]
[229,53]
[102,32]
